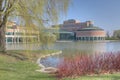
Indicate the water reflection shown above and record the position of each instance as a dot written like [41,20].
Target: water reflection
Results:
[113,46]
[83,47]
[73,48]
[69,49]
[51,61]
[22,46]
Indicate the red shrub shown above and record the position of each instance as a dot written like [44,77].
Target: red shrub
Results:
[89,64]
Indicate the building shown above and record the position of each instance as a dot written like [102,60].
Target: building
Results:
[20,34]
[83,31]
[90,34]
[62,34]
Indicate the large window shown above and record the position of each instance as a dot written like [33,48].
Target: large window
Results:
[95,38]
[9,33]
[9,39]
[87,38]
[91,38]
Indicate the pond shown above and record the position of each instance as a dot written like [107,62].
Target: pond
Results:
[74,48]
[70,49]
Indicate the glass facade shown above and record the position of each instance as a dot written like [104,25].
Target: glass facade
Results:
[66,36]
[90,38]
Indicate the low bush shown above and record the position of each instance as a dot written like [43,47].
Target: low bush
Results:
[89,64]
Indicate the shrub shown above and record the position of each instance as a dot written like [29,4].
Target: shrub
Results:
[89,64]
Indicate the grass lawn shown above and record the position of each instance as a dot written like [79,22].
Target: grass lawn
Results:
[97,77]
[12,68]
[16,66]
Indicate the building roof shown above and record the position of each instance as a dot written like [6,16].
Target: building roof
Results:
[91,28]
[63,31]
[57,31]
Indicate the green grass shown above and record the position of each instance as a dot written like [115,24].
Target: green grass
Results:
[12,68]
[29,54]
[15,67]
[115,76]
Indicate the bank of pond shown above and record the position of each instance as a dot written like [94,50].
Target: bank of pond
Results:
[104,66]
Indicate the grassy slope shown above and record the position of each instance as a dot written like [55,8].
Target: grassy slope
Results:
[12,68]
[98,77]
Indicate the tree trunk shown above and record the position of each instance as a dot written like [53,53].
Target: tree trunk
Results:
[2,38]
[3,18]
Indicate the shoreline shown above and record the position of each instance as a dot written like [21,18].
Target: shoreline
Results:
[88,41]
[47,69]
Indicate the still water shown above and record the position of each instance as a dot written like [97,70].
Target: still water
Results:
[88,47]
[73,48]
[91,47]
[70,48]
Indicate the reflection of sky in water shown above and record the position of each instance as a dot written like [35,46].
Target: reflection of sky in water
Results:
[71,48]
[113,47]
[50,61]
[90,47]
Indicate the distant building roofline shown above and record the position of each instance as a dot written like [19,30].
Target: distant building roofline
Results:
[90,29]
